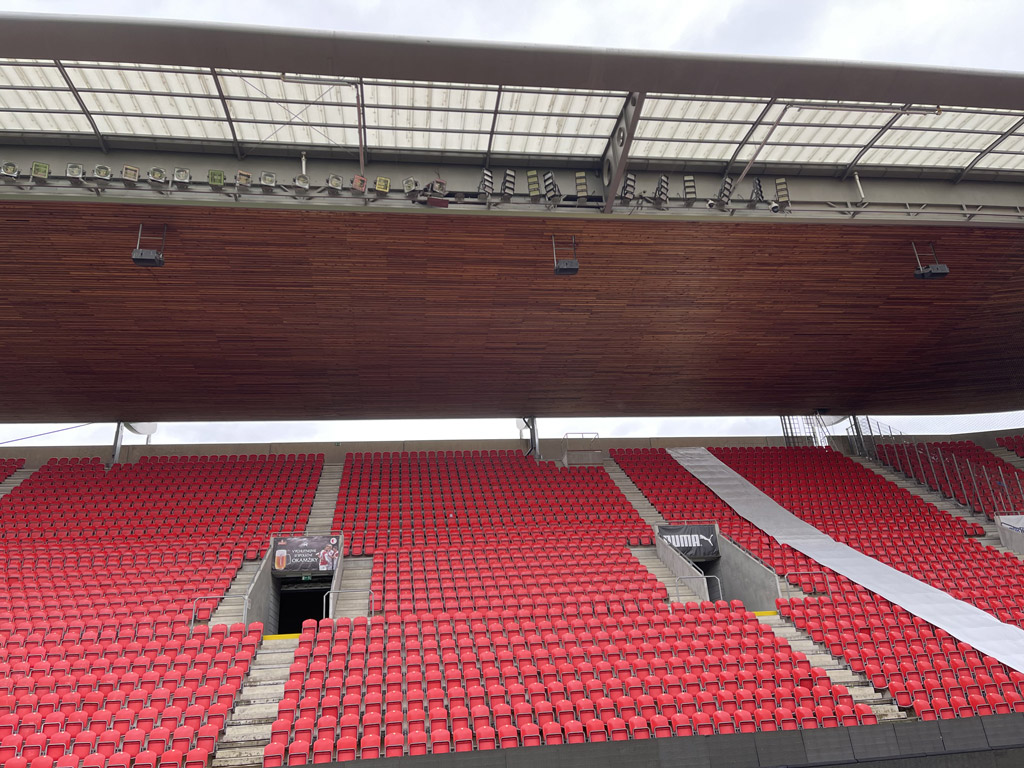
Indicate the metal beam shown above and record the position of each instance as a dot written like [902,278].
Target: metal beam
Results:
[874,140]
[361,120]
[615,158]
[329,53]
[227,115]
[81,103]
[987,150]
[494,124]
[748,135]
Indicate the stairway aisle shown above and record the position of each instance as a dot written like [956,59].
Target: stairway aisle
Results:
[636,497]
[837,669]
[991,537]
[356,577]
[247,730]
[229,611]
[648,557]
[321,516]
[15,480]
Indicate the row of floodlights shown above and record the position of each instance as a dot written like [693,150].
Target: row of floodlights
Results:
[720,201]
[539,186]
[131,174]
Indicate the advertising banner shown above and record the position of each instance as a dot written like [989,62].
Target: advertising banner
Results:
[697,541]
[306,554]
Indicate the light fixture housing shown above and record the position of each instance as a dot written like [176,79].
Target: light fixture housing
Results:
[628,187]
[359,184]
[75,171]
[103,173]
[721,201]
[182,176]
[533,185]
[661,191]
[410,186]
[508,185]
[782,193]
[10,170]
[301,182]
[268,180]
[157,175]
[486,186]
[335,183]
[130,174]
[216,177]
[439,187]
[382,185]
[551,190]
[40,172]
[243,179]
[582,193]
[689,189]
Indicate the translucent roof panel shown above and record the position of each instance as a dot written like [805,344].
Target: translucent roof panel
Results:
[438,116]
[59,100]
[553,121]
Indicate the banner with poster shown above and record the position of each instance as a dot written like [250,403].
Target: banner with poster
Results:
[306,554]
[697,541]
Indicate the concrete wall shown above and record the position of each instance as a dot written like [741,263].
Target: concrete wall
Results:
[744,578]
[682,567]
[264,602]
[339,575]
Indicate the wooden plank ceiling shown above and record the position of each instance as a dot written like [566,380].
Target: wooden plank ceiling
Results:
[270,314]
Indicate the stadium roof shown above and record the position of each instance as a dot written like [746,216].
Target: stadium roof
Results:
[113,83]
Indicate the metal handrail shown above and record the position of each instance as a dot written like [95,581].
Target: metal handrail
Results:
[370,594]
[703,578]
[785,578]
[197,598]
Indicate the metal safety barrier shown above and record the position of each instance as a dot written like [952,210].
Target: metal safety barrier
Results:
[195,605]
[705,578]
[369,595]
[785,578]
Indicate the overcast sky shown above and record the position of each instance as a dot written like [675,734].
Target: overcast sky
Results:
[983,34]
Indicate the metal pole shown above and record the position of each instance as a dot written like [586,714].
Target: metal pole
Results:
[949,483]
[1006,491]
[861,451]
[118,437]
[991,491]
[963,485]
[931,467]
[874,445]
[974,482]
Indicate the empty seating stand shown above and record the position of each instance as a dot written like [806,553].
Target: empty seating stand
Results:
[99,664]
[921,666]
[9,466]
[512,614]
[962,470]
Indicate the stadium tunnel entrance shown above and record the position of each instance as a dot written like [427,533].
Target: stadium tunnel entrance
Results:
[298,600]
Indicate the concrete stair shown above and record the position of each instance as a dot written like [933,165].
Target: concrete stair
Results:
[1009,457]
[229,611]
[247,730]
[991,537]
[838,670]
[321,516]
[648,557]
[356,577]
[15,480]
[636,497]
